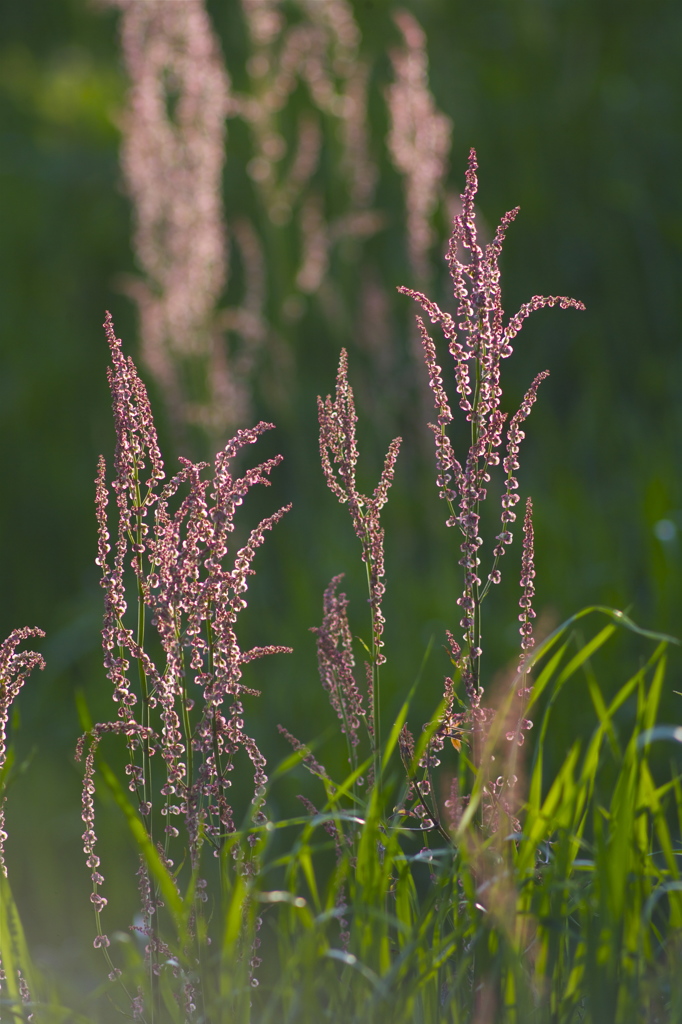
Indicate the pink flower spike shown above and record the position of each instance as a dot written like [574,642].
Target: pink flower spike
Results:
[527,577]
[14,668]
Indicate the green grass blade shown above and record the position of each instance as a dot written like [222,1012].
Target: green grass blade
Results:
[13,948]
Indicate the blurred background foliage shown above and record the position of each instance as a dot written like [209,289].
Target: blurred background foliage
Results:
[575,109]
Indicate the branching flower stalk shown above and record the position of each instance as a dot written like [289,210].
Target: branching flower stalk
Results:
[186,710]
[338,448]
[478,340]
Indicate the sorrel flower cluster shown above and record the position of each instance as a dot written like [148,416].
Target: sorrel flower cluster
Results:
[419,139]
[338,448]
[478,340]
[336,664]
[179,696]
[337,439]
[14,667]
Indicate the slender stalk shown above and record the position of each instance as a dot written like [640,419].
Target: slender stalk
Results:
[148,792]
[376,696]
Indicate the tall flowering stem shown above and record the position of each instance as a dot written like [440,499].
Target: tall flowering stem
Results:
[339,456]
[181,713]
[418,140]
[172,159]
[478,339]
[312,50]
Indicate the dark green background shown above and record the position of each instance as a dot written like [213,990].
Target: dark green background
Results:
[575,109]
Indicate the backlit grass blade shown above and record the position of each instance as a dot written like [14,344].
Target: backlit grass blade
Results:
[13,952]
